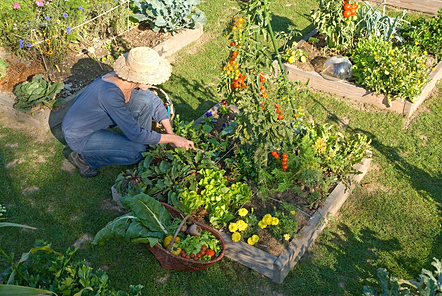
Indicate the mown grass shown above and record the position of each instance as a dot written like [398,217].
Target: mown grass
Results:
[393,221]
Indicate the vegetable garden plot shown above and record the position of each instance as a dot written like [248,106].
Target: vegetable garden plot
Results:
[358,93]
[396,59]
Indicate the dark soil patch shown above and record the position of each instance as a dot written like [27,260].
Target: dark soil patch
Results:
[81,64]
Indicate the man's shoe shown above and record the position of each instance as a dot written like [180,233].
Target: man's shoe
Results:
[83,168]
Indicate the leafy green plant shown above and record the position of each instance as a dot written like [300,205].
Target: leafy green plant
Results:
[217,198]
[425,34]
[3,66]
[373,21]
[430,283]
[29,94]
[148,221]
[337,30]
[390,70]
[43,271]
[170,15]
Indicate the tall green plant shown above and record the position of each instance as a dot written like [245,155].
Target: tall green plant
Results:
[373,21]
[170,15]
[268,113]
[331,23]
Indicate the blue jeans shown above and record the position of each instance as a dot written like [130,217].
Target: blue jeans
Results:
[106,147]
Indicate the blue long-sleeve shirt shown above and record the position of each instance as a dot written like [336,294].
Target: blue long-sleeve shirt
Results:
[100,105]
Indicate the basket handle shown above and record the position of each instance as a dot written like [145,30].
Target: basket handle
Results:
[176,233]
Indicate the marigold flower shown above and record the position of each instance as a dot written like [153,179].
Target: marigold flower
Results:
[241,225]
[267,219]
[16,5]
[236,237]
[286,237]
[251,241]
[242,212]
[255,238]
[262,225]
[275,221]
[233,227]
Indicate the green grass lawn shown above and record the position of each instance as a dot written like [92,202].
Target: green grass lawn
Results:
[393,221]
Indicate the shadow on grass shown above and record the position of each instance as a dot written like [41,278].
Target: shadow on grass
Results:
[428,185]
[355,255]
[205,95]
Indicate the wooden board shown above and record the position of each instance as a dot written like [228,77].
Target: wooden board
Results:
[427,6]
[277,268]
[359,93]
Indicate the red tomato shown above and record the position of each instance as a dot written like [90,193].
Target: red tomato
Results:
[211,253]
[276,156]
[262,89]
[232,44]
[278,111]
[284,155]
[280,116]
[285,167]
[347,6]
[277,106]
[347,13]
[283,162]
[234,54]
[274,152]
[353,11]
[204,248]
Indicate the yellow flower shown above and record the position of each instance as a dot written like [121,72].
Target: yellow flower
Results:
[292,212]
[250,241]
[286,237]
[262,225]
[236,237]
[425,52]
[253,240]
[242,212]
[50,52]
[233,227]
[275,221]
[433,69]
[416,43]
[267,219]
[48,41]
[391,51]
[241,225]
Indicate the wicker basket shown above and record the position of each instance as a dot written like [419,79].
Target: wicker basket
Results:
[171,261]
[156,126]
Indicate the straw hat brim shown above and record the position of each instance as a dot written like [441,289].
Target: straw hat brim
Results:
[160,75]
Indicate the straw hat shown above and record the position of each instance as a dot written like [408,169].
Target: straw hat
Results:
[143,65]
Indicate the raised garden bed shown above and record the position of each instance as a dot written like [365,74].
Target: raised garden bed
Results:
[277,267]
[358,93]
[45,119]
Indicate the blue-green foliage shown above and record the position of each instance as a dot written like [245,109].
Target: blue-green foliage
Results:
[430,283]
[170,15]
[37,91]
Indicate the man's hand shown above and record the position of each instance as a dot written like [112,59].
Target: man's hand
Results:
[177,141]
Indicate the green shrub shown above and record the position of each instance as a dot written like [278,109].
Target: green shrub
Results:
[392,71]
[425,34]
[29,94]
[44,268]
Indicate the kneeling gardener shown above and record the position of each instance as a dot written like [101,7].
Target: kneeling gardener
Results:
[120,98]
